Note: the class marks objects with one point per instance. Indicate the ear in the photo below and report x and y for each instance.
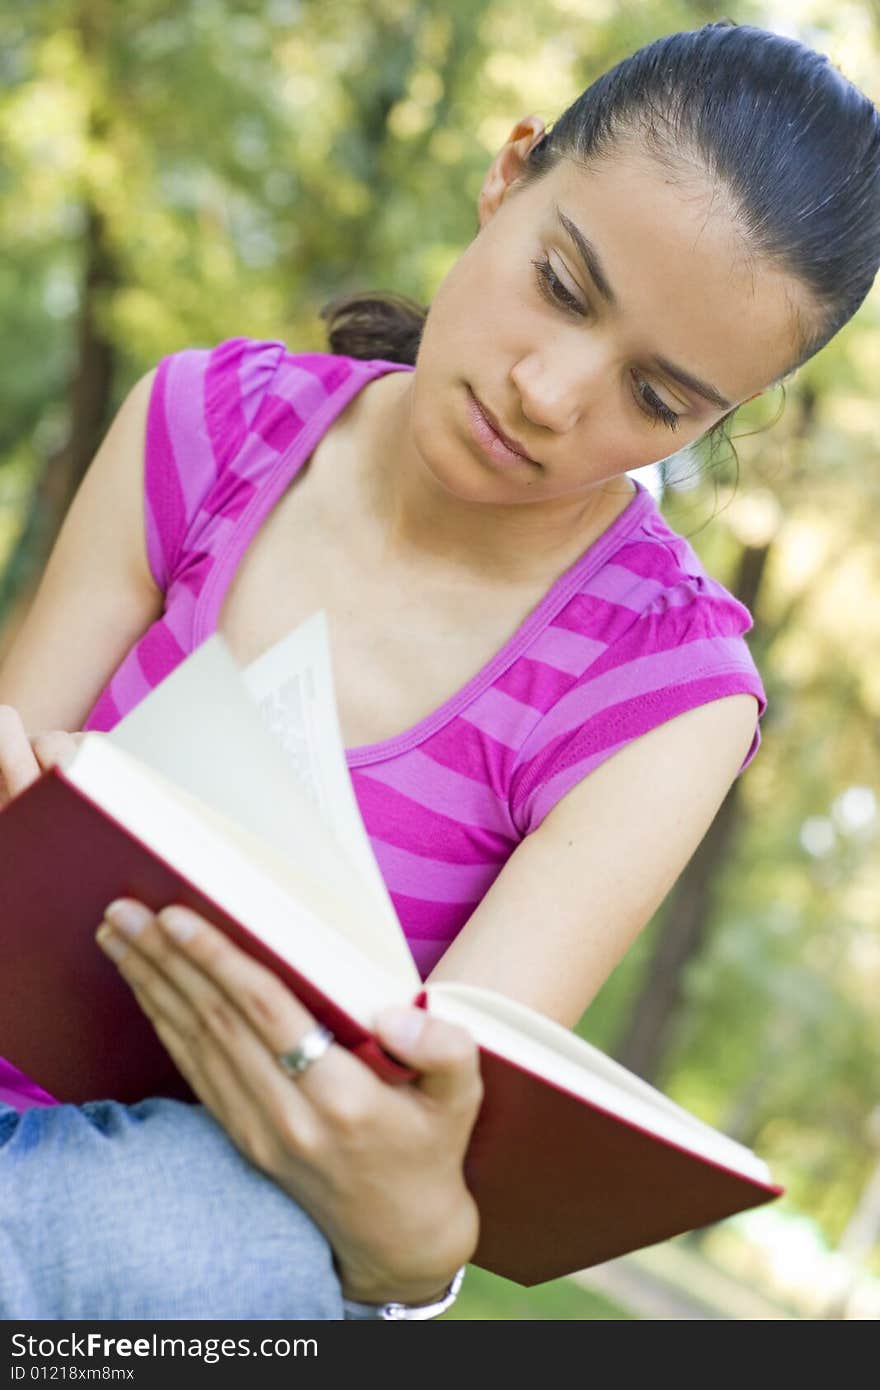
(507, 164)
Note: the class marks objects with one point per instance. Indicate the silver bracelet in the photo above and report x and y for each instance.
(399, 1311)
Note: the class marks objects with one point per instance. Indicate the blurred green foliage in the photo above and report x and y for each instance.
(486, 1297)
(238, 164)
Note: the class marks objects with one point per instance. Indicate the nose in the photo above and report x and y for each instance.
(554, 393)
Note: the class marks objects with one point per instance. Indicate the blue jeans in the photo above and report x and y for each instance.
(148, 1211)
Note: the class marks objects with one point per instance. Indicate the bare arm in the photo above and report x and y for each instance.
(575, 894)
(97, 594)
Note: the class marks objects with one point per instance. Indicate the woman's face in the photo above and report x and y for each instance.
(527, 326)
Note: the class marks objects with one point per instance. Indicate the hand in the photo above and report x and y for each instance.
(24, 758)
(377, 1167)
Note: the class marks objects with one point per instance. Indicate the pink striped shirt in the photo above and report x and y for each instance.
(632, 634)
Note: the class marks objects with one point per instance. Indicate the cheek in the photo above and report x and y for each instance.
(482, 301)
(613, 440)
(446, 329)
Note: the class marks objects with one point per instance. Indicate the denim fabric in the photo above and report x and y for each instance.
(148, 1211)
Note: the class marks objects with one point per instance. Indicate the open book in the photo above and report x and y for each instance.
(227, 790)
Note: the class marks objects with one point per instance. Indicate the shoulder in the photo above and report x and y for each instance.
(653, 576)
(647, 636)
(651, 597)
(240, 386)
(219, 420)
(228, 390)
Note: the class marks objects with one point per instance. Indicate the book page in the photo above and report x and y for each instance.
(292, 910)
(292, 686)
(201, 729)
(541, 1045)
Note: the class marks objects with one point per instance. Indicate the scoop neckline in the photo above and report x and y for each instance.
(209, 602)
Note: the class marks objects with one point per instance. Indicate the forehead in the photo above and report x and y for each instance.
(686, 283)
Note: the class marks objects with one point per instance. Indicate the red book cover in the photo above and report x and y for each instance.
(560, 1183)
(68, 1018)
(585, 1185)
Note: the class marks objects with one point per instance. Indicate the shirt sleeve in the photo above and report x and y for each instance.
(687, 649)
(203, 405)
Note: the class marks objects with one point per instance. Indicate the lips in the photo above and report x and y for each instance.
(511, 443)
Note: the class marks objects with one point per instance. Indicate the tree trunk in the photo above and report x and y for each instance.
(90, 397)
(90, 391)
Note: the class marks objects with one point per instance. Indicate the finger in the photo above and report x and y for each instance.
(215, 1049)
(206, 1085)
(54, 747)
(445, 1055)
(273, 1011)
(217, 1084)
(18, 763)
(209, 970)
(200, 1029)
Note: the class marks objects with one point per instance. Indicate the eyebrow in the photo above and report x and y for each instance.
(588, 255)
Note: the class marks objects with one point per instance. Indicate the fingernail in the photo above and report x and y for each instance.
(111, 943)
(128, 917)
(402, 1027)
(179, 925)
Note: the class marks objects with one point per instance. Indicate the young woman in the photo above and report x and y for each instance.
(544, 696)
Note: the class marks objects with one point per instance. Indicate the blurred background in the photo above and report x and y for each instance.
(173, 174)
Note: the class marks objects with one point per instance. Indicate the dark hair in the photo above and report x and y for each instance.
(793, 143)
(381, 324)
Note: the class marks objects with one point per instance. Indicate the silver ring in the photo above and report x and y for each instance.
(310, 1047)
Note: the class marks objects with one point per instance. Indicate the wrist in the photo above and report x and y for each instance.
(412, 1271)
(363, 1282)
(399, 1311)
(412, 1293)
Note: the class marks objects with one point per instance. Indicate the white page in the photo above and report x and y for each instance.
(540, 1044)
(249, 880)
(292, 685)
(201, 728)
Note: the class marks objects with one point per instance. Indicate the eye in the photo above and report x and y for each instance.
(657, 408)
(555, 292)
(552, 287)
